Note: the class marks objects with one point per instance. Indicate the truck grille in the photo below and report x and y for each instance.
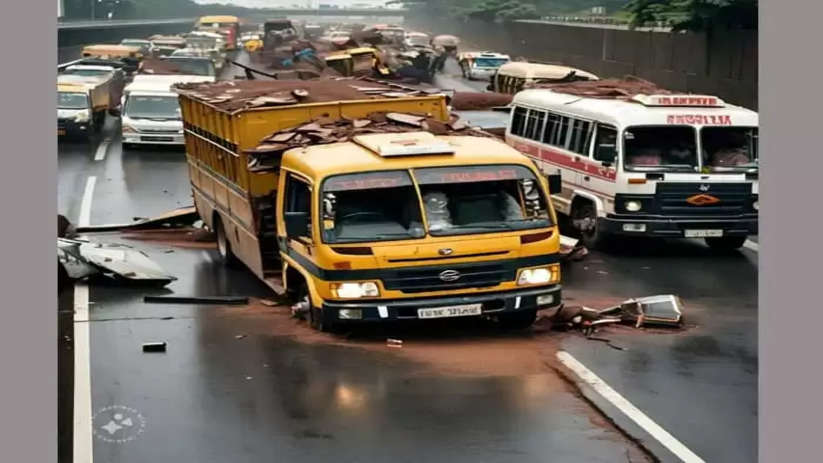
(734, 198)
(163, 131)
(428, 279)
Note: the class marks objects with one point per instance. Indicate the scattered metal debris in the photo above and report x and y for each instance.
(239, 336)
(159, 346)
(185, 216)
(81, 259)
(268, 303)
(653, 310)
(223, 300)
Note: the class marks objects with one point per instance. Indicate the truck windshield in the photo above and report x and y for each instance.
(489, 62)
(374, 206)
(729, 148)
(67, 100)
(481, 199)
(194, 66)
(152, 107)
(660, 148)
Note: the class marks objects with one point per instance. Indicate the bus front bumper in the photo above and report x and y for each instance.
(679, 227)
(545, 297)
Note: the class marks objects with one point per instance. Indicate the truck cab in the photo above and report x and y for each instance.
(74, 110)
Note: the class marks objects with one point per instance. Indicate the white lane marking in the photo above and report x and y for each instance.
(85, 204)
(752, 245)
(82, 448)
(102, 149)
(662, 436)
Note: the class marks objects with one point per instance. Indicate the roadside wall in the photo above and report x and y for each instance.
(722, 64)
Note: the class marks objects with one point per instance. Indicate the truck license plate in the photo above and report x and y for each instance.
(451, 311)
(703, 233)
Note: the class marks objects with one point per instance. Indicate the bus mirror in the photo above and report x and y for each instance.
(297, 224)
(605, 154)
(555, 184)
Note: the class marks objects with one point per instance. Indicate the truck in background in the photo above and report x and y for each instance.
(82, 103)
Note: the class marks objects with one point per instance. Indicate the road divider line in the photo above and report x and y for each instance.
(752, 245)
(82, 447)
(85, 203)
(634, 413)
(102, 149)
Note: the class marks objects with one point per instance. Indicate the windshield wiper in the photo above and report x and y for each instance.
(495, 226)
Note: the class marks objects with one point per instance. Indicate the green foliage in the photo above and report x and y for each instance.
(695, 14)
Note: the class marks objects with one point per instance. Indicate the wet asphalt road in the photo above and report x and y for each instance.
(457, 392)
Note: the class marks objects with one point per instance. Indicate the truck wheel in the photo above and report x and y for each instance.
(227, 256)
(726, 243)
(318, 319)
(518, 320)
(584, 219)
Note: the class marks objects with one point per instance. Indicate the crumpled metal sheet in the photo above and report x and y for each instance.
(82, 259)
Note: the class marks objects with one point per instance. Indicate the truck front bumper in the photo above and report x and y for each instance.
(407, 309)
(68, 127)
(676, 227)
(154, 139)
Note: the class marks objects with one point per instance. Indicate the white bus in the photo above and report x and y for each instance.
(660, 165)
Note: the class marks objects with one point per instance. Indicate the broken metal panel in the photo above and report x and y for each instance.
(651, 310)
(124, 262)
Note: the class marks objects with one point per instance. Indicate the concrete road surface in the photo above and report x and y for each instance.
(250, 383)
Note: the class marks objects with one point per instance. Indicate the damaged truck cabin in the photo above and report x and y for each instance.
(337, 196)
(639, 160)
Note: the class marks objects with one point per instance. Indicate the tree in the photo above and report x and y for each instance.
(695, 15)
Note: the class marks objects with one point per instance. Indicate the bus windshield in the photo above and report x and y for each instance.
(72, 100)
(481, 199)
(660, 148)
(153, 107)
(373, 206)
(729, 148)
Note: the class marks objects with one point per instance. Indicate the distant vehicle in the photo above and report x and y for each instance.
(151, 111)
(207, 40)
(251, 42)
(389, 32)
(130, 56)
(82, 103)
(417, 40)
(193, 65)
(447, 43)
(215, 56)
(277, 31)
(165, 45)
(516, 76)
(228, 26)
(146, 46)
(481, 65)
(312, 31)
(337, 38)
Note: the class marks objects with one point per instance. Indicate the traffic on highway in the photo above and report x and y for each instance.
(337, 240)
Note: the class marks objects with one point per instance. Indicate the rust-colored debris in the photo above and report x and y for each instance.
(469, 101)
(622, 89)
(266, 156)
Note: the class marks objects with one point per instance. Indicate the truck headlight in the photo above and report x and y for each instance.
(539, 275)
(82, 116)
(756, 206)
(355, 290)
(633, 206)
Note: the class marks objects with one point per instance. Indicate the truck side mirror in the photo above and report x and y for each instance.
(555, 183)
(297, 224)
(605, 154)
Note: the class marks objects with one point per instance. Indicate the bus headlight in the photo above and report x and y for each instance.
(539, 275)
(82, 116)
(355, 290)
(633, 206)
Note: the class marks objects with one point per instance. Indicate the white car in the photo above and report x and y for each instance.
(481, 65)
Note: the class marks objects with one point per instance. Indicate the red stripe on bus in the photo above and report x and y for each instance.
(566, 160)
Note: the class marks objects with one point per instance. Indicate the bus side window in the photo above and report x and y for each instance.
(534, 124)
(580, 136)
(605, 144)
(519, 121)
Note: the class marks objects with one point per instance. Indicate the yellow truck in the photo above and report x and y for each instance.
(380, 224)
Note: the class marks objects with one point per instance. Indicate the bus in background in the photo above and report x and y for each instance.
(227, 26)
(638, 160)
(517, 75)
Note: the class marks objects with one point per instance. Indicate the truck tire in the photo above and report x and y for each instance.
(726, 243)
(224, 250)
(593, 237)
(517, 320)
(317, 318)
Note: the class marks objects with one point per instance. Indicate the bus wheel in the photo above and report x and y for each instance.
(726, 243)
(227, 256)
(517, 320)
(584, 219)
